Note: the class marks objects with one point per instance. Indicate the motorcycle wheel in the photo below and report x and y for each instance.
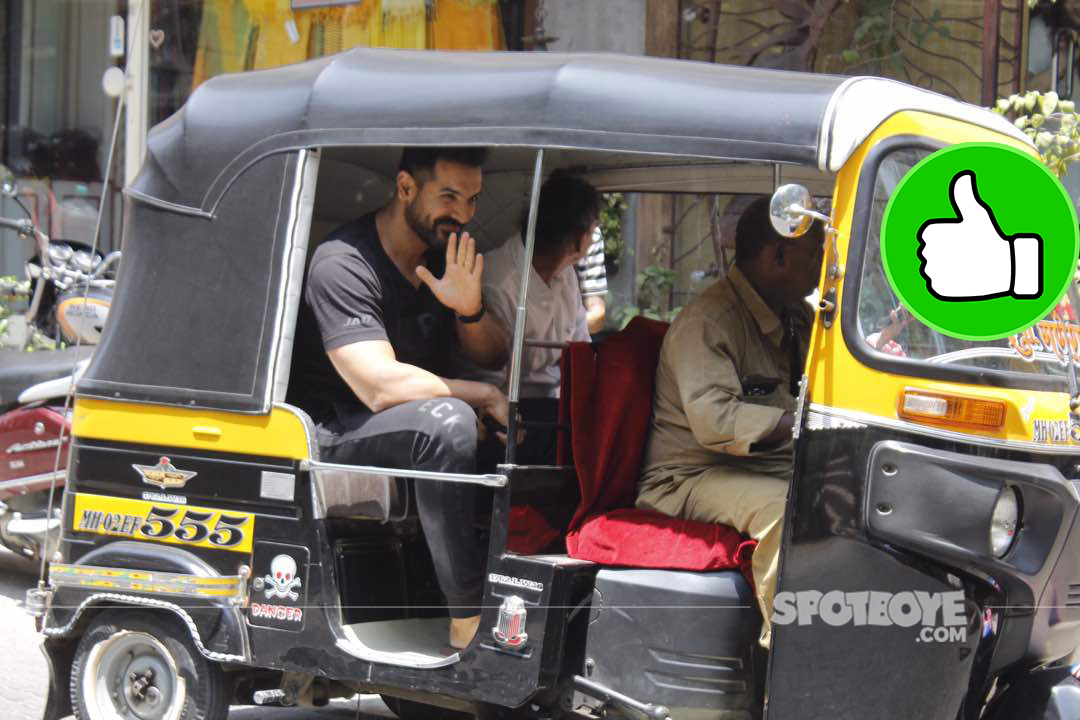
(142, 664)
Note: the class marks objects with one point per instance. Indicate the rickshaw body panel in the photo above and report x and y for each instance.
(838, 378)
(852, 528)
(280, 433)
(115, 551)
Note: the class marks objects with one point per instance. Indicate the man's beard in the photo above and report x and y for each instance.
(430, 233)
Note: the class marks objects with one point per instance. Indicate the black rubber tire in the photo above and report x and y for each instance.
(206, 697)
(412, 710)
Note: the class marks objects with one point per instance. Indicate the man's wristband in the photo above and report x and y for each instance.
(475, 317)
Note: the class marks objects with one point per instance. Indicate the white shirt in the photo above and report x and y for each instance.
(555, 314)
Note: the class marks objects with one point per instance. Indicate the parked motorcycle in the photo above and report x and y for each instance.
(68, 290)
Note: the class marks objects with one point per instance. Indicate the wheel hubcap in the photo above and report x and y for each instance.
(132, 676)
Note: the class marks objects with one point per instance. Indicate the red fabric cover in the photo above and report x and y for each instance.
(610, 393)
(529, 532)
(607, 398)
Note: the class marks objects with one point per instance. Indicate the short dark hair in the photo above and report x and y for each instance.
(568, 206)
(422, 159)
(754, 231)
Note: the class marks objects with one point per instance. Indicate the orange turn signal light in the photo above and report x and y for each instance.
(956, 410)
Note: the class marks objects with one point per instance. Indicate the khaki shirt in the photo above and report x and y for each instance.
(722, 384)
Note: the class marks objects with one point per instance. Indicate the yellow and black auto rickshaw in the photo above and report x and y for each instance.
(210, 557)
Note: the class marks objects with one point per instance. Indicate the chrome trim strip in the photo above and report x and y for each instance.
(31, 479)
(817, 421)
(145, 602)
(159, 583)
(841, 133)
(309, 428)
(942, 434)
(166, 205)
(800, 406)
(828, 119)
(301, 204)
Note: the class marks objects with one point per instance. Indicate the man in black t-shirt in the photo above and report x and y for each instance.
(386, 298)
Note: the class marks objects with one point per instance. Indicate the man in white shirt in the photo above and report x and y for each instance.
(566, 220)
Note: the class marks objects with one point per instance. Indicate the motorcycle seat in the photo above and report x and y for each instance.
(19, 370)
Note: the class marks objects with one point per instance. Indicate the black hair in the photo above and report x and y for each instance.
(568, 206)
(422, 159)
(754, 232)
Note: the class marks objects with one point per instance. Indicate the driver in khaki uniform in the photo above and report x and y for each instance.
(720, 444)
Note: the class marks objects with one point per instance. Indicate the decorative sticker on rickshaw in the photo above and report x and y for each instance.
(164, 522)
(165, 475)
(278, 590)
(1057, 336)
(1056, 432)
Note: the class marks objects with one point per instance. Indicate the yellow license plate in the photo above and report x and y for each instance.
(164, 522)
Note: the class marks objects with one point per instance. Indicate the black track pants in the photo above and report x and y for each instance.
(437, 435)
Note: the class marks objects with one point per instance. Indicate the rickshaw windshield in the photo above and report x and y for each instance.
(888, 332)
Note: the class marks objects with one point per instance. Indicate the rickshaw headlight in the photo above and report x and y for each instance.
(1004, 521)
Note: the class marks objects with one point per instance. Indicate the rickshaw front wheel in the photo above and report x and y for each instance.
(142, 665)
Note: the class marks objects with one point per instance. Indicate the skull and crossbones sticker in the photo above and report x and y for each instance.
(282, 580)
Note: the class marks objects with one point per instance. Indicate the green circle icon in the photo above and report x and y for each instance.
(980, 241)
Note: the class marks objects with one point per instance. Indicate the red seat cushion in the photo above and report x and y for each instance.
(607, 398)
(630, 537)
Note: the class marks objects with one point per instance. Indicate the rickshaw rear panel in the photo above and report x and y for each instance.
(686, 640)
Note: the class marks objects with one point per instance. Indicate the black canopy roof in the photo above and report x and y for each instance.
(397, 97)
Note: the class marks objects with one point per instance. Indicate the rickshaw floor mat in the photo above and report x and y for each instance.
(411, 642)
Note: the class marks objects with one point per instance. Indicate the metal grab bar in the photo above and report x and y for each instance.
(496, 481)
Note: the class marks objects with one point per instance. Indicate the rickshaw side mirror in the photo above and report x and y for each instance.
(8, 186)
(791, 213)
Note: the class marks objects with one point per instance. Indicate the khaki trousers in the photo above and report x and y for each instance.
(749, 502)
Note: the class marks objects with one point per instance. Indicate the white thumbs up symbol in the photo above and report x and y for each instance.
(969, 258)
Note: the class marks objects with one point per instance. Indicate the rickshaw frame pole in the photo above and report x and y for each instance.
(519, 319)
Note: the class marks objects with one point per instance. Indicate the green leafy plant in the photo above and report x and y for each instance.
(14, 296)
(1051, 123)
(879, 30)
(654, 286)
(612, 206)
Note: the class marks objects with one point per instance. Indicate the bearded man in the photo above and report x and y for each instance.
(385, 298)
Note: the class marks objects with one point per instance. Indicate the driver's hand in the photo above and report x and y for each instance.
(459, 287)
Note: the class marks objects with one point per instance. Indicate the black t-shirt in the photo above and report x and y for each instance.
(354, 293)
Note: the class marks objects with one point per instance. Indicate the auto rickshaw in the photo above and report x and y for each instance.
(209, 557)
